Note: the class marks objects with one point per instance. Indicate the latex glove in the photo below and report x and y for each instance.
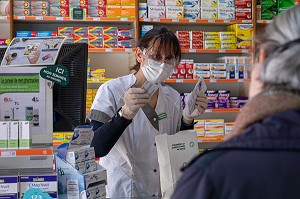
(200, 106)
(134, 99)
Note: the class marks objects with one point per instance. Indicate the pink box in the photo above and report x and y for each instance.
(238, 102)
(223, 99)
(181, 70)
(196, 44)
(243, 4)
(184, 44)
(212, 97)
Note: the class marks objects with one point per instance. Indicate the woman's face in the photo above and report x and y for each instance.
(256, 86)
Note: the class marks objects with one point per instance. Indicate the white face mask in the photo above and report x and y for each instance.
(157, 72)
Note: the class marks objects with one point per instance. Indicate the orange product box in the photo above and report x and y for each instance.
(113, 2)
(113, 11)
(128, 11)
(127, 2)
(196, 44)
(184, 44)
(183, 35)
(196, 35)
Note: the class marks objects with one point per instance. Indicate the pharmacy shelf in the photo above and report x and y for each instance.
(200, 21)
(207, 80)
(25, 152)
(88, 19)
(100, 81)
(223, 110)
(111, 50)
(226, 51)
(264, 21)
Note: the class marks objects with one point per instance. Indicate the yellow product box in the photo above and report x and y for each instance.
(227, 36)
(128, 11)
(127, 2)
(89, 90)
(214, 132)
(89, 98)
(113, 11)
(211, 36)
(244, 43)
(228, 127)
(68, 136)
(58, 136)
(212, 45)
(199, 127)
(214, 124)
(113, 2)
(228, 44)
(242, 30)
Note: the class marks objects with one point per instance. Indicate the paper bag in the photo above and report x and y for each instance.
(174, 152)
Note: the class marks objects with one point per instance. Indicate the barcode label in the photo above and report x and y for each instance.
(8, 153)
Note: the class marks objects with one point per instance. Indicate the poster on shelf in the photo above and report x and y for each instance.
(32, 51)
(25, 96)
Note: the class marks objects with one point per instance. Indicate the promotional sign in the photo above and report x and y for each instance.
(58, 74)
(32, 51)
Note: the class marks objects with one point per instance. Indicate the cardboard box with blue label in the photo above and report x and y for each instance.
(9, 187)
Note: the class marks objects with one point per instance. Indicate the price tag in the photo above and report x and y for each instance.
(39, 18)
(8, 153)
(245, 51)
(124, 19)
(174, 20)
(147, 19)
(213, 80)
(156, 20)
(226, 21)
(21, 17)
(108, 49)
(96, 19)
(192, 50)
(128, 49)
(179, 80)
(241, 80)
(222, 51)
(211, 21)
(59, 18)
(246, 21)
(3, 17)
(192, 20)
(208, 110)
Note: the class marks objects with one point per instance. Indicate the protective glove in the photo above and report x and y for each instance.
(134, 99)
(199, 108)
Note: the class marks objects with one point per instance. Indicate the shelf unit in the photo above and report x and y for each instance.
(198, 21)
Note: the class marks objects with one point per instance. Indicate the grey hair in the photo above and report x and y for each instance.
(282, 68)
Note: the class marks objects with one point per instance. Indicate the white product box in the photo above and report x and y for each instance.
(100, 191)
(156, 12)
(209, 13)
(214, 124)
(199, 127)
(214, 132)
(191, 3)
(25, 135)
(204, 74)
(89, 153)
(209, 3)
(192, 12)
(156, 2)
(90, 193)
(225, 4)
(174, 2)
(226, 13)
(217, 67)
(13, 135)
(90, 166)
(9, 187)
(3, 134)
(143, 10)
(218, 74)
(201, 66)
(174, 12)
(45, 182)
(80, 167)
(75, 155)
(83, 135)
(228, 127)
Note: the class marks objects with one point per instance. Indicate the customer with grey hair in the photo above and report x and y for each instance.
(261, 157)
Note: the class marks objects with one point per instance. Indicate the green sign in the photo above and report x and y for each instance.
(58, 74)
(19, 84)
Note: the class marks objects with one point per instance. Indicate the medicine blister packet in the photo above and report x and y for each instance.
(150, 88)
(191, 98)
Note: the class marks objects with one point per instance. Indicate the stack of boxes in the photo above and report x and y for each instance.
(212, 130)
(243, 9)
(244, 35)
(120, 8)
(22, 8)
(82, 4)
(59, 8)
(212, 40)
(90, 96)
(209, 9)
(268, 9)
(236, 67)
(97, 8)
(40, 8)
(191, 9)
(190, 39)
(22, 34)
(99, 37)
(15, 135)
(226, 10)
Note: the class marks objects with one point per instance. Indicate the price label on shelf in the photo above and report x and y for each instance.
(245, 51)
(39, 18)
(213, 80)
(21, 17)
(96, 19)
(246, 21)
(147, 19)
(211, 21)
(208, 110)
(174, 20)
(192, 50)
(226, 21)
(8, 153)
(128, 50)
(241, 80)
(192, 20)
(108, 49)
(3, 17)
(179, 80)
(59, 18)
(124, 19)
(155, 20)
(222, 51)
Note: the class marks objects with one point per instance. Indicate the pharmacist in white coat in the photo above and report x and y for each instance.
(126, 116)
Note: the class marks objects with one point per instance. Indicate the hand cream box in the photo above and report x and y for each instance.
(9, 187)
(13, 135)
(80, 167)
(3, 134)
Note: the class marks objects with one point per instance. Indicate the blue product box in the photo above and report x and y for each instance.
(46, 33)
(146, 28)
(9, 187)
(24, 34)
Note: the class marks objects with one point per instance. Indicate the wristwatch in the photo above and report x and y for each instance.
(120, 114)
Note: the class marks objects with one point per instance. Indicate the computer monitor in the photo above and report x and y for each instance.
(69, 102)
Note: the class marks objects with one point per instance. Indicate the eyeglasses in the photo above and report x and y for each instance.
(150, 54)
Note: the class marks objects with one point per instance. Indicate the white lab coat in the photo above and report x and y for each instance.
(132, 164)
